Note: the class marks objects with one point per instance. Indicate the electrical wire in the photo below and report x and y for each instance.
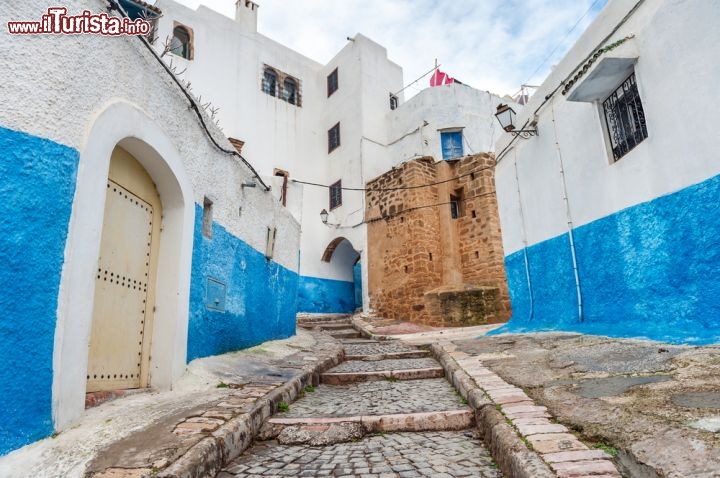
(562, 40)
(414, 208)
(114, 5)
(502, 153)
(418, 186)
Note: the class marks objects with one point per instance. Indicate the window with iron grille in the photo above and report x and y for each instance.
(625, 118)
(332, 82)
(269, 81)
(335, 195)
(333, 137)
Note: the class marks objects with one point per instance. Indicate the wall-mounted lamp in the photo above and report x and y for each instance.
(506, 117)
(324, 216)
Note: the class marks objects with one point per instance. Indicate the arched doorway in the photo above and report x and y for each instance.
(344, 263)
(119, 349)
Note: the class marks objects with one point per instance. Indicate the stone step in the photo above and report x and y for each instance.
(342, 378)
(346, 334)
(389, 356)
(336, 326)
(381, 397)
(321, 430)
(369, 370)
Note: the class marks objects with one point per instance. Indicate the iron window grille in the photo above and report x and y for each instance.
(290, 91)
(332, 82)
(333, 137)
(625, 118)
(269, 82)
(336, 195)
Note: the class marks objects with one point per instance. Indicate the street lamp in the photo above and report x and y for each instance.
(506, 117)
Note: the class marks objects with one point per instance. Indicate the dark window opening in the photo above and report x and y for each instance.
(207, 218)
(430, 256)
(333, 137)
(393, 102)
(332, 82)
(269, 82)
(283, 191)
(290, 91)
(180, 44)
(336, 195)
(625, 118)
(457, 204)
(473, 214)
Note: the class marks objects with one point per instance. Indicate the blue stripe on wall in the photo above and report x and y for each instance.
(325, 296)
(650, 271)
(36, 190)
(261, 296)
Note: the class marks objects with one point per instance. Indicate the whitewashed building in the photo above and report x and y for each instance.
(104, 148)
(337, 125)
(134, 240)
(610, 214)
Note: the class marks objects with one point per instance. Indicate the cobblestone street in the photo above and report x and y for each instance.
(433, 454)
(440, 449)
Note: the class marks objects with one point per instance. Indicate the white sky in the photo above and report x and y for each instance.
(493, 45)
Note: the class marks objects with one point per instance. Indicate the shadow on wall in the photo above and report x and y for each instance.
(325, 296)
(651, 271)
(260, 296)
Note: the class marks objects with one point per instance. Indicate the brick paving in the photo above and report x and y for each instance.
(428, 454)
(391, 364)
(377, 398)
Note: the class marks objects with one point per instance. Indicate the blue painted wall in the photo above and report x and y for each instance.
(649, 271)
(325, 296)
(37, 184)
(261, 296)
(357, 284)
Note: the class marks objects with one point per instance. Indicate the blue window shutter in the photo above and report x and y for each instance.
(451, 143)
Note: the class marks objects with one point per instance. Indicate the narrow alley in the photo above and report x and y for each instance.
(386, 411)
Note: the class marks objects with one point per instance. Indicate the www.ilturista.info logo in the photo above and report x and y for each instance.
(57, 21)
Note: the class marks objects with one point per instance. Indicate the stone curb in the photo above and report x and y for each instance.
(365, 330)
(513, 457)
(509, 420)
(207, 457)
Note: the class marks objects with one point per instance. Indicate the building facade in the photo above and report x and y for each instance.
(609, 215)
(137, 241)
(435, 252)
(301, 120)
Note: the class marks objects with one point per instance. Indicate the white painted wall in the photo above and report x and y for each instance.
(227, 67)
(89, 92)
(677, 71)
(443, 107)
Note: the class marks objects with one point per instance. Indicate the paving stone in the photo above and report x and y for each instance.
(447, 451)
(579, 468)
(376, 398)
(377, 348)
(575, 456)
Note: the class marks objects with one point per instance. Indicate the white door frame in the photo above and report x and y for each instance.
(122, 123)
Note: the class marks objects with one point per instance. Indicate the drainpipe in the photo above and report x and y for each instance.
(568, 217)
(525, 243)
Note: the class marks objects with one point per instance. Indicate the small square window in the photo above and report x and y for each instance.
(333, 137)
(332, 82)
(452, 144)
(625, 118)
(393, 102)
(336, 195)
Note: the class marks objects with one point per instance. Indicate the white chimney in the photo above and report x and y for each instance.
(246, 14)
